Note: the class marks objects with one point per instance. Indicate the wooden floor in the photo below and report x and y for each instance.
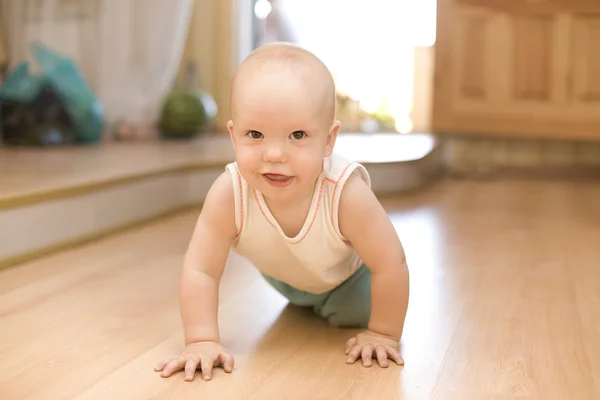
(505, 305)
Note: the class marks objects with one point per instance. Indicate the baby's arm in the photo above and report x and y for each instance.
(204, 263)
(364, 222)
(199, 284)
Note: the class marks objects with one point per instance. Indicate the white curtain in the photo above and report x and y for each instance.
(127, 50)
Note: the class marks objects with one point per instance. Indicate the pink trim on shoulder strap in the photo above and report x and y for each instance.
(241, 201)
(337, 192)
(238, 194)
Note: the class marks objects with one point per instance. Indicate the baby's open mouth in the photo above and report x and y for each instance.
(278, 179)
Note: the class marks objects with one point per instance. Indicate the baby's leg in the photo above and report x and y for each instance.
(295, 296)
(349, 305)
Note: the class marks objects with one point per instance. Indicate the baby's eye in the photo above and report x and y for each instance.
(254, 134)
(298, 134)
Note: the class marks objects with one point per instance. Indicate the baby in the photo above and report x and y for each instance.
(305, 217)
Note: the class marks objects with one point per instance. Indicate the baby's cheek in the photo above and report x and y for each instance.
(246, 158)
(311, 167)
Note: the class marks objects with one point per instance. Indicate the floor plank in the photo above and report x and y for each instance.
(504, 305)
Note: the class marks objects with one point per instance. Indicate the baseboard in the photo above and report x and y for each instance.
(81, 240)
(569, 173)
(36, 229)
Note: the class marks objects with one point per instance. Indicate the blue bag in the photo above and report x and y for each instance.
(61, 74)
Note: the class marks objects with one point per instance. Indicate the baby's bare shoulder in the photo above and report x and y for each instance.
(364, 222)
(355, 191)
(221, 192)
(218, 209)
(358, 204)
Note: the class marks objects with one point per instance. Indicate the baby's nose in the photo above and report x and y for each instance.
(274, 153)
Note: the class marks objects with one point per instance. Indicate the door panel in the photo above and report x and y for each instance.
(533, 63)
(517, 68)
(586, 59)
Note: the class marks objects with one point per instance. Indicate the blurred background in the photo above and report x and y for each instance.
(133, 53)
(477, 120)
(498, 75)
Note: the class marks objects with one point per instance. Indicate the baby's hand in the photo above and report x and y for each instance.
(367, 344)
(205, 355)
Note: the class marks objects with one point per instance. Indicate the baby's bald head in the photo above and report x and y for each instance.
(283, 62)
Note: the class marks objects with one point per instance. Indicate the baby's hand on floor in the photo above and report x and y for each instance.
(203, 355)
(368, 344)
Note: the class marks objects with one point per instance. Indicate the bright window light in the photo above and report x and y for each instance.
(262, 9)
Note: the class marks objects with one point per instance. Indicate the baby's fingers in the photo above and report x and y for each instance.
(227, 361)
(172, 366)
(382, 356)
(161, 365)
(207, 366)
(367, 354)
(190, 369)
(353, 354)
(395, 355)
(350, 344)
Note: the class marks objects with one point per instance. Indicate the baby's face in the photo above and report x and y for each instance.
(281, 131)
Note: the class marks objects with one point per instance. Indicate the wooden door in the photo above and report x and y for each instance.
(519, 68)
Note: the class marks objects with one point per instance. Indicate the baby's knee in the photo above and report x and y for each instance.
(347, 318)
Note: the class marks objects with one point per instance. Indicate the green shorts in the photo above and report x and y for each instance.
(347, 305)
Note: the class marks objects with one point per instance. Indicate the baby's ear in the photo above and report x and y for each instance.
(332, 137)
(230, 130)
